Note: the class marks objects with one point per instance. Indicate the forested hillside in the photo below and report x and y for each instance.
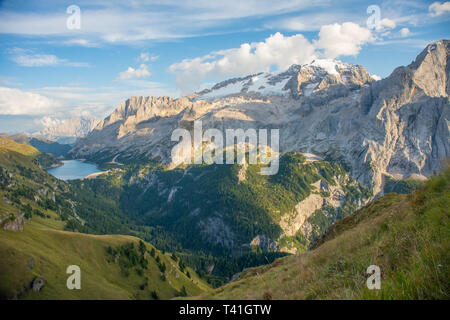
(406, 236)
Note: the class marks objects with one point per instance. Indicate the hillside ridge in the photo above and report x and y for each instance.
(406, 236)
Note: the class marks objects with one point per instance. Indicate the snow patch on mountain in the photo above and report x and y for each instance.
(278, 84)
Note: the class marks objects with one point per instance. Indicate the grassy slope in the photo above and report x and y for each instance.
(24, 149)
(53, 250)
(41, 144)
(407, 236)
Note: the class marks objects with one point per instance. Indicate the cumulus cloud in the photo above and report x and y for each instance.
(404, 32)
(64, 102)
(18, 102)
(342, 39)
(437, 9)
(277, 51)
(48, 121)
(386, 23)
(375, 77)
(140, 72)
(144, 56)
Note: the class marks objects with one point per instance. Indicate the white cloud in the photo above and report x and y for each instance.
(342, 39)
(37, 60)
(140, 72)
(145, 20)
(150, 20)
(67, 101)
(146, 57)
(277, 51)
(80, 42)
(18, 102)
(437, 9)
(47, 121)
(418, 44)
(27, 58)
(386, 23)
(311, 21)
(9, 81)
(404, 32)
(375, 77)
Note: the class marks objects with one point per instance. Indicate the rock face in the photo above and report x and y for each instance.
(31, 263)
(398, 125)
(215, 230)
(12, 223)
(38, 283)
(291, 223)
(265, 243)
(326, 196)
(68, 131)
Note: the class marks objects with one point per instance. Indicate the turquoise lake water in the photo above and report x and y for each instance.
(73, 169)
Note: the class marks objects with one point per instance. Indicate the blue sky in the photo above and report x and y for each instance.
(49, 71)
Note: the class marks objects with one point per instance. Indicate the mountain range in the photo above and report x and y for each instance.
(67, 131)
(397, 126)
(354, 137)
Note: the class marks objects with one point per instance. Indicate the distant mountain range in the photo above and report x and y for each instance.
(56, 139)
(67, 131)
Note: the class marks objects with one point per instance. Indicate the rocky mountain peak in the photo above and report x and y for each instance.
(325, 73)
(427, 75)
(431, 69)
(435, 53)
(296, 81)
(137, 109)
(67, 131)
